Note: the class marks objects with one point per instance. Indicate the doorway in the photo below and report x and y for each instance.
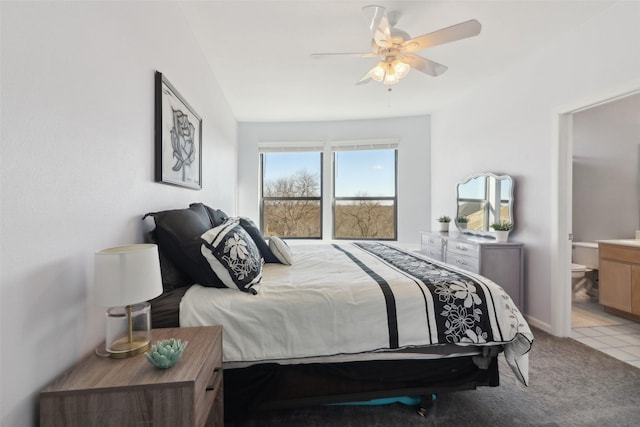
(563, 117)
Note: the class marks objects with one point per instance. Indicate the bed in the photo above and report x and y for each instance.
(320, 323)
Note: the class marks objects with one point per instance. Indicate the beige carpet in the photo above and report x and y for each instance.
(582, 318)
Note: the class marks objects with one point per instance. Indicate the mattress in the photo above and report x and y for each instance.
(360, 300)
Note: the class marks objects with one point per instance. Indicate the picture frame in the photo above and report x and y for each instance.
(178, 138)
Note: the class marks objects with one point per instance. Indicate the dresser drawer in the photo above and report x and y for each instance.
(432, 246)
(434, 253)
(463, 248)
(428, 240)
(463, 261)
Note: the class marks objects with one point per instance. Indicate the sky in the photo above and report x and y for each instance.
(362, 172)
(475, 189)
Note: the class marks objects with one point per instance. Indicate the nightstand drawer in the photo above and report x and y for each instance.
(208, 386)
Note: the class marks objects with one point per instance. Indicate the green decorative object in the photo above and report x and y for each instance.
(166, 353)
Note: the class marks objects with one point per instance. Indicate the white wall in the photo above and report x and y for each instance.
(606, 147)
(77, 104)
(413, 134)
(506, 126)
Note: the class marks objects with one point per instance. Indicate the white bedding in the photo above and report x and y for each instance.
(343, 299)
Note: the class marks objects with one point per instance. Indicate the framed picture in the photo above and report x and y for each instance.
(178, 154)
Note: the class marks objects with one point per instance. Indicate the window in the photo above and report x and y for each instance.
(360, 182)
(291, 194)
(365, 202)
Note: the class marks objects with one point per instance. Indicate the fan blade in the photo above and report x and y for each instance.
(378, 24)
(359, 55)
(459, 31)
(366, 78)
(427, 66)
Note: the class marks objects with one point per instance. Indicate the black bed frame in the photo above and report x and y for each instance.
(270, 386)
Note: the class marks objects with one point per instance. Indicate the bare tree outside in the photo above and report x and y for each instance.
(364, 219)
(292, 205)
(292, 201)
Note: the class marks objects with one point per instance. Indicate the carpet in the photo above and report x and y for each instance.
(570, 385)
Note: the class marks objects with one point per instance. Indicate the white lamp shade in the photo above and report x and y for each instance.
(127, 275)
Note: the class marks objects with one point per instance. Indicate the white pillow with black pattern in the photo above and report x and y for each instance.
(281, 250)
(233, 255)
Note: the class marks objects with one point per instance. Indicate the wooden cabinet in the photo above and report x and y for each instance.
(131, 392)
(500, 262)
(619, 276)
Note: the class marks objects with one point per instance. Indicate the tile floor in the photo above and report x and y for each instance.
(616, 336)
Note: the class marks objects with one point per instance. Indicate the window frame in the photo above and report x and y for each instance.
(334, 151)
(326, 149)
(319, 198)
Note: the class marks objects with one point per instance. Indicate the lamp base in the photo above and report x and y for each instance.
(122, 348)
(128, 330)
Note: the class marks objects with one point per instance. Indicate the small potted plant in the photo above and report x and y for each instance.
(462, 222)
(502, 230)
(444, 223)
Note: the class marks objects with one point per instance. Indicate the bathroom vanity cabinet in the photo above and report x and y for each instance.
(501, 262)
(620, 277)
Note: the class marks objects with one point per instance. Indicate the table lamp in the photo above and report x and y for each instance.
(125, 278)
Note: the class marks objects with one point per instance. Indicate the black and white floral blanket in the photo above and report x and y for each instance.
(362, 297)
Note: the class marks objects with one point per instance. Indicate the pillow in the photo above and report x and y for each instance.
(281, 250)
(172, 276)
(216, 216)
(178, 234)
(233, 256)
(255, 233)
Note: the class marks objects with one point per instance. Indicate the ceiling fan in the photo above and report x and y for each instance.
(395, 48)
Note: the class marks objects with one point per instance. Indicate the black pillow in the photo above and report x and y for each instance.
(216, 216)
(178, 233)
(172, 276)
(251, 228)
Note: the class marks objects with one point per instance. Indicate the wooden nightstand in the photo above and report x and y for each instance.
(130, 392)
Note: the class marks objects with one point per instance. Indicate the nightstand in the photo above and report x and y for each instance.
(131, 392)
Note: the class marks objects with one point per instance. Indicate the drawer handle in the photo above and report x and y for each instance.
(213, 386)
(462, 248)
(461, 262)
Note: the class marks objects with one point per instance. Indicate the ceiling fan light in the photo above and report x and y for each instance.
(391, 77)
(401, 69)
(378, 72)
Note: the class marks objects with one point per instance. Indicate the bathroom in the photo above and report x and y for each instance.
(605, 206)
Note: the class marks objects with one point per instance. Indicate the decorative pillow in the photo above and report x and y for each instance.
(233, 256)
(281, 250)
(178, 234)
(255, 233)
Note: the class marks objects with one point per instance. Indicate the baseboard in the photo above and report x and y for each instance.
(536, 323)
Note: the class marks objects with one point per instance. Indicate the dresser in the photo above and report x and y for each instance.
(501, 262)
(131, 392)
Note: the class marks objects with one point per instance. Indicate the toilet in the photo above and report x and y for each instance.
(584, 268)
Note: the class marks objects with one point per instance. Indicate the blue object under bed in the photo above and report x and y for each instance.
(405, 400)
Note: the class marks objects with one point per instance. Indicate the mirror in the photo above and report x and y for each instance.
(483, 199)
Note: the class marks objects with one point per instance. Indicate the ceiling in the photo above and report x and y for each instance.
(259, 52)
